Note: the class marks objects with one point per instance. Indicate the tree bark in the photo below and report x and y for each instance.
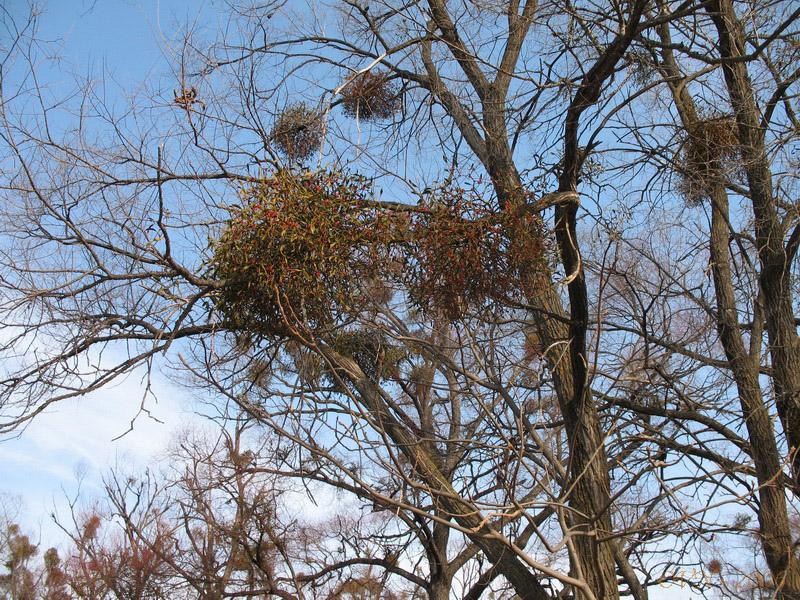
(774, 279)
(774, 529)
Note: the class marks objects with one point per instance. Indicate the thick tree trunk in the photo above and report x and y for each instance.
(589, 498)
(439, 589)
(774, 279)
(590, 495)
(774, 529)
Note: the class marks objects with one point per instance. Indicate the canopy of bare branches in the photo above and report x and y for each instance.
(513, 281)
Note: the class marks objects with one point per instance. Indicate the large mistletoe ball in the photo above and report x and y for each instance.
(296, 254)
(464, 256)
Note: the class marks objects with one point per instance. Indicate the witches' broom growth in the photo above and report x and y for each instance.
(297, 251)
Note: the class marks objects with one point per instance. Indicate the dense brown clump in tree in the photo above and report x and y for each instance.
(371, 96)
(710, 156)
(306, 247)
(297, 132)
(463, 254)
(296, 253)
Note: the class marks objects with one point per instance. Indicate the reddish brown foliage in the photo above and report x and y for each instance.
(465, 255)
(125, 568)
(308, 248)
(298, 251)
(370, 96)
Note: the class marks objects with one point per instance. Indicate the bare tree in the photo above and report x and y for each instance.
(537, 333)
(211, 521)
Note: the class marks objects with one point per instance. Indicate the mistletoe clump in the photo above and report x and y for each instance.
(464, 255)
(372, 351)
(297, 132)
(711, 153)
(370, 96)
(296, 252)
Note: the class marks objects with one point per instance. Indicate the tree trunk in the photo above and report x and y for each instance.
(774, 279)
(774, 530)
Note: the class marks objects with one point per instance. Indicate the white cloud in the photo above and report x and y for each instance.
(40, 464)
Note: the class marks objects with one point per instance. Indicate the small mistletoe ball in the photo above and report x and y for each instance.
(710, 156)
(370, 96)
(297, 132)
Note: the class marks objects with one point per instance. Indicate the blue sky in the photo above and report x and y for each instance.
(122, 38)
(122, 33)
